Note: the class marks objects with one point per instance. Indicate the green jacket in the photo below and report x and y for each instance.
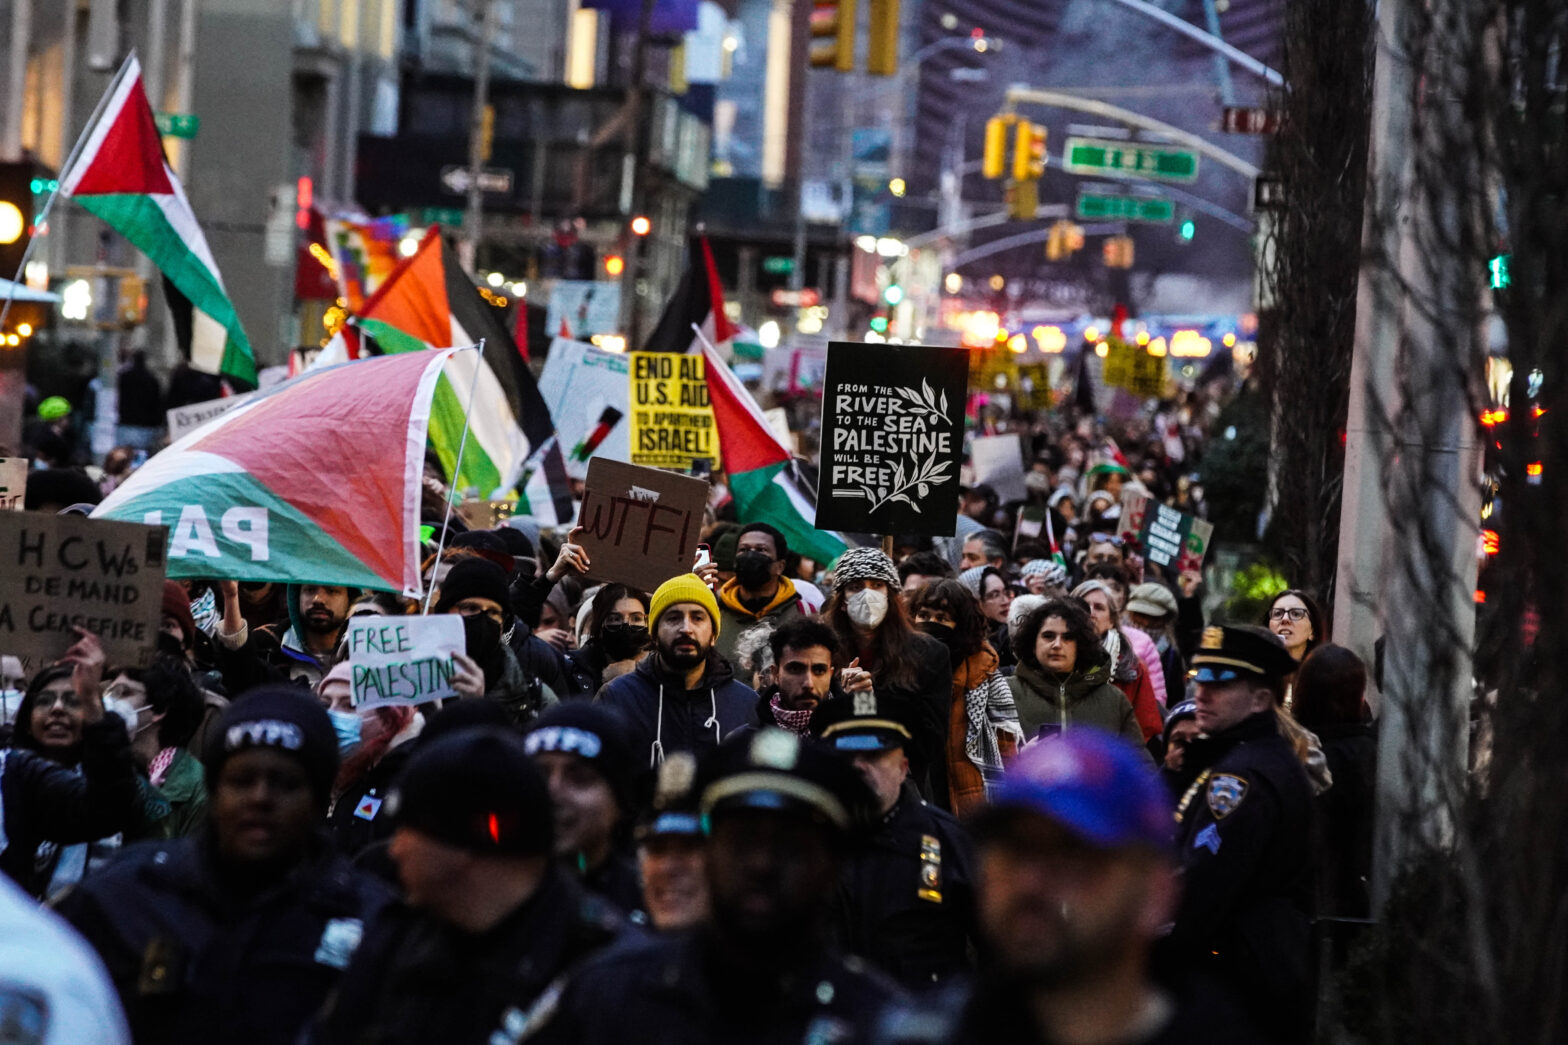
(1055, 703)
(185, 788)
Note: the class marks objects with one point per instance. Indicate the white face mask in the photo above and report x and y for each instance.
(129, 714)
(867, 607)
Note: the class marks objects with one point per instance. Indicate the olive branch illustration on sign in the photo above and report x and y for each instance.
(921, 475)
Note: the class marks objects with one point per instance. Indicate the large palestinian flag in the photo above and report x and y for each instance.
(761, 470)
(315, 480)
(119, 174)
(698, 301)
(430, 302)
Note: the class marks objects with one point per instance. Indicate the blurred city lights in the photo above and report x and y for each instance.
(897, 187)
(76, 299)
(953, 283)
(768, 334)
(1051, 340)
(1091, 333)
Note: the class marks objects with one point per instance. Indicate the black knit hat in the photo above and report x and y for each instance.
(594, 733)
(285, 719)
(474, 579)
(478, 790)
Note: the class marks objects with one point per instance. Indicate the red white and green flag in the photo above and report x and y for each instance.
(316, 480)
(761, 470)
(120, 175)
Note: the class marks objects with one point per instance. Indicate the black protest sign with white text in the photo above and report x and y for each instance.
(892, 438)
(60, 571)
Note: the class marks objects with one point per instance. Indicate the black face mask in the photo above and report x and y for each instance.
(622, 641)
(483, 635)
(753, 570)
(946, 634)
(169, 645)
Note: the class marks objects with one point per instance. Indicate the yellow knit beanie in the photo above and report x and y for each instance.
(687, 587)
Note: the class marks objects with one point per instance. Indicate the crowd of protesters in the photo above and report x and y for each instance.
(994, 787)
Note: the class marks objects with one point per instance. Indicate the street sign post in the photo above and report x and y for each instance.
(1094, 206)
(778, 266)
(497, 180)
(1108, 157)
(177, 124)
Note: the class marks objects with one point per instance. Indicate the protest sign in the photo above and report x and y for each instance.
(62, 570)
(581, 308)
(639, 525)
(13, 483)
(892, 438)
(999, 463)
(1133, 368)
(403, 660)
(672, 422)
(586, 390)
(186, 419)
(1168, 537)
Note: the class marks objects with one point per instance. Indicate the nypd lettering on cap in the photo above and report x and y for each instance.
(264, 732)
(566, 739)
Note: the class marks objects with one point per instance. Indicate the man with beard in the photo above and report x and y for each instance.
(804, 652)
(684, 697)
(1076, 883)
(759, 592)
(780, 815)
(580, 748)
(476, 589)
(299, 649)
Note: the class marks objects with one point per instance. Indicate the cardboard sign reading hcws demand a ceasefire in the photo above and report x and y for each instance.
(892, 438)
(403, 660)
(57, 571)
(639, 525)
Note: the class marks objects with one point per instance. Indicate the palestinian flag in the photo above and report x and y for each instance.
(430, 302)
(547, 492)
(120, 175)
(316, 480)
(762, 474)
(698, 300)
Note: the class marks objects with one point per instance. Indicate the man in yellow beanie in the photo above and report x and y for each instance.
(684, 697)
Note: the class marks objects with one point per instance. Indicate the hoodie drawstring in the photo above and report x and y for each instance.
(713, 714)
(656, 752)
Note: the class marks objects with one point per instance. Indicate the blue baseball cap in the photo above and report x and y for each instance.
(1094, 784)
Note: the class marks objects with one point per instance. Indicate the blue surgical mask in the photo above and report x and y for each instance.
(346, 725)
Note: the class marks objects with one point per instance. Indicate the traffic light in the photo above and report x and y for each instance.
(1186, 231)
(833, 21)
(882, 47)
(614, 265)
(641, 226)
(1065, 238)
(993, 160)
(1118, 252)
(1028, 151)
(1023, 200)
(16, 214)
(893, 294)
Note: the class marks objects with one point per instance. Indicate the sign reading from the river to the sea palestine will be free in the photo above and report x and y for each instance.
(892, 438)
(672, 423)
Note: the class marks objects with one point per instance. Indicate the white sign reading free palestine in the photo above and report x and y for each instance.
(403, 660)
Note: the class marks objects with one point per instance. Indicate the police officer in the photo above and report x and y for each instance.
(669, 849)
(236, 935)
(490, 920)
(779, 815)
(1244, 825)
(906, 900)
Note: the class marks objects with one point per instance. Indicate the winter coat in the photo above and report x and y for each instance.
(735, 619)
(923, 708)
(43, 801)
(1132, 678)
(1149, 657)
(1049, 703)
(981, 701)
(1344, 840)
(195, 962)
(663, 716)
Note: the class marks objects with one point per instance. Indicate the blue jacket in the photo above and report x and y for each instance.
(659, 709)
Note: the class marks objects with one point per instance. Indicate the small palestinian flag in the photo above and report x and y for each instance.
(698, 299)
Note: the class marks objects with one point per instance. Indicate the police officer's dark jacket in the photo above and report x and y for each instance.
(195, 961)
(418, 979)
(676, 990)
(907, 900)
(1244, 840)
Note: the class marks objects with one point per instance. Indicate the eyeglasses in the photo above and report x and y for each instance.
(1281, 612)
(67, 699)
(1000, 595)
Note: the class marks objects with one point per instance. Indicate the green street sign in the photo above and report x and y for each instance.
(779, 266)
(177, 124)
(1094, 206)
(1157, 162)
(451, 217)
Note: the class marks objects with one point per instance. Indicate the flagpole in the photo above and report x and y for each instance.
(76, 150)
(457, 466)
(695, 329)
